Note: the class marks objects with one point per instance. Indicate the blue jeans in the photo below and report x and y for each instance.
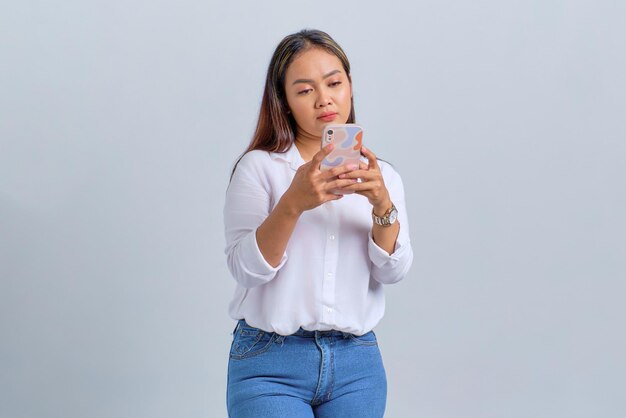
(306, 374)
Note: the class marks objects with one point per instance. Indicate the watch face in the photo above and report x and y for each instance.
(393, 216)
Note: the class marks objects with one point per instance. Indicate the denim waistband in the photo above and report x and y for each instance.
(309, 334)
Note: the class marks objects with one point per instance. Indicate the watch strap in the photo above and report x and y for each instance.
(385, 219)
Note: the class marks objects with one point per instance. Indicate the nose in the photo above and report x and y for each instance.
(323, 100)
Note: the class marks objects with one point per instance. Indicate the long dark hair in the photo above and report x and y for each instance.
(276, 128)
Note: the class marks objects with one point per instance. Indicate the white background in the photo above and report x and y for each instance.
(119, 124)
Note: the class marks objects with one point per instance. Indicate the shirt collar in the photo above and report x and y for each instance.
(291, 156)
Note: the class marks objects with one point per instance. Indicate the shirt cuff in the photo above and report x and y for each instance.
(379, 256)
(257, 264)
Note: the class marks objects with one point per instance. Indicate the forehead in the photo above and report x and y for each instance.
(313, 64)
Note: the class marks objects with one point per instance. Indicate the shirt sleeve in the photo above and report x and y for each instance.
(247, 206)
(391, 268)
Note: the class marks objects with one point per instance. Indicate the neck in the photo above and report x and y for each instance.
(307, 145)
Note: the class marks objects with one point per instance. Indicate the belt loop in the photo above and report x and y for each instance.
(236, 327)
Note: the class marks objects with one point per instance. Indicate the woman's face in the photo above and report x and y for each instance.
(318, 91)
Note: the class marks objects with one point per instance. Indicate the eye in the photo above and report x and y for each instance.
(305, 91)
(335, 83)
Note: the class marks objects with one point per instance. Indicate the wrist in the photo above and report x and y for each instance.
(388, 218)
(288, 207)
(381, 208)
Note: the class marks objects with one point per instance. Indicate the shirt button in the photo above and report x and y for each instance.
(329, 310)
(330, 274)
(332, 237)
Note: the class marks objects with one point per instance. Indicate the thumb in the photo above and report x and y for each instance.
(321, 154)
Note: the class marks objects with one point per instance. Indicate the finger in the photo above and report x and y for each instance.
(358, 174)
(340, 184)
(337, 171)
(321, 154)
(336, 196)
(362, 187)
(373, 163)
(332, 196)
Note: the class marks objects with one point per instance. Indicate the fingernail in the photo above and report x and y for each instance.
(352, 167)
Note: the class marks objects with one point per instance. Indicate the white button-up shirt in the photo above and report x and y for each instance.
(332, 273)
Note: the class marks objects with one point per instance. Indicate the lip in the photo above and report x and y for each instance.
(328, 116)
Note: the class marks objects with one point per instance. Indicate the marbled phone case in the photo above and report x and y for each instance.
(348, 139)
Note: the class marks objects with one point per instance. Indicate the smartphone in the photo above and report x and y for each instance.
(348, 139)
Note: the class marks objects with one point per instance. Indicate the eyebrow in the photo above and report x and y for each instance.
(308, 80)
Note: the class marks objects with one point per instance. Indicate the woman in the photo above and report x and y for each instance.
(310, 264)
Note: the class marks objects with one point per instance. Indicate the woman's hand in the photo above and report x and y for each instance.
(311, 187)
(371, 185)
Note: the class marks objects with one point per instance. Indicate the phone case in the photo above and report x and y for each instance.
(348, 139)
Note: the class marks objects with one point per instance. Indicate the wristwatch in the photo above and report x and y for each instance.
(388, 218)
